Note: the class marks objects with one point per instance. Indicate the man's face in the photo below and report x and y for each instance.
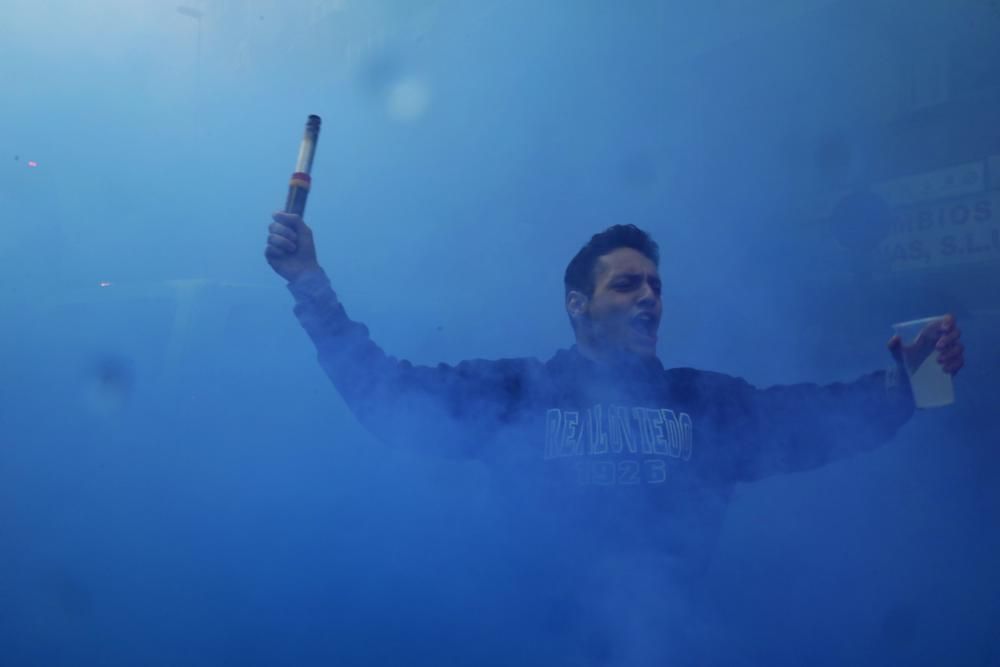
(623, 314)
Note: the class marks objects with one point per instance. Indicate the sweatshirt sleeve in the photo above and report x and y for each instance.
(449, 410)
(791, 428)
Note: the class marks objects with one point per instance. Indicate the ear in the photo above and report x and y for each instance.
(576, 304)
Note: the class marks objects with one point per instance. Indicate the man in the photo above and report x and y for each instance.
(601, 443)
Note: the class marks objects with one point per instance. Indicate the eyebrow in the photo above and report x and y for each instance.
(636, 276)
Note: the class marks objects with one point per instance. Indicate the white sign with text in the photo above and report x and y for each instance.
(959, 231)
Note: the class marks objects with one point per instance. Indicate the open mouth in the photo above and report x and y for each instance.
(645, 324)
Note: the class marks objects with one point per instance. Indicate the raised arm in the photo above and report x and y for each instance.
(803, 426)
(790, 428)
(798, 427)
(447, 409)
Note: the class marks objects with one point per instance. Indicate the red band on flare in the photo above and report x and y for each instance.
(301, 180)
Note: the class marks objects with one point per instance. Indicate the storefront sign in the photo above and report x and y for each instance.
(955, 181)
(960, 231)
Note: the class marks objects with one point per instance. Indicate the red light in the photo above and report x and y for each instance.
(32, 163)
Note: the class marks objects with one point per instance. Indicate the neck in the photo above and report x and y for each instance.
(590, 351)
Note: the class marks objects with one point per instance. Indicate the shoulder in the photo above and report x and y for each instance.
(508, 375)
(707, 389)
(698, 378)
(498, 367)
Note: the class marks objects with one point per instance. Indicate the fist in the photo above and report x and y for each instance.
(290, 250)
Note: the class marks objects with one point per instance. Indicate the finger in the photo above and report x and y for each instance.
(947, 322)
(953, 368)
(895, 346)
(290, 219)
(281, 243)
(949, 338)
(949, 354)
(949, 363)
(283, 230)
(274, 253)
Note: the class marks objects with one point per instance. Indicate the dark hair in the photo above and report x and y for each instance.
(580, 272)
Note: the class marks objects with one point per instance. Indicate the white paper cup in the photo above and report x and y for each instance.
(931, 385)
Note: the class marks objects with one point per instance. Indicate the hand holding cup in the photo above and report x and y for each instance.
(930, 352)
